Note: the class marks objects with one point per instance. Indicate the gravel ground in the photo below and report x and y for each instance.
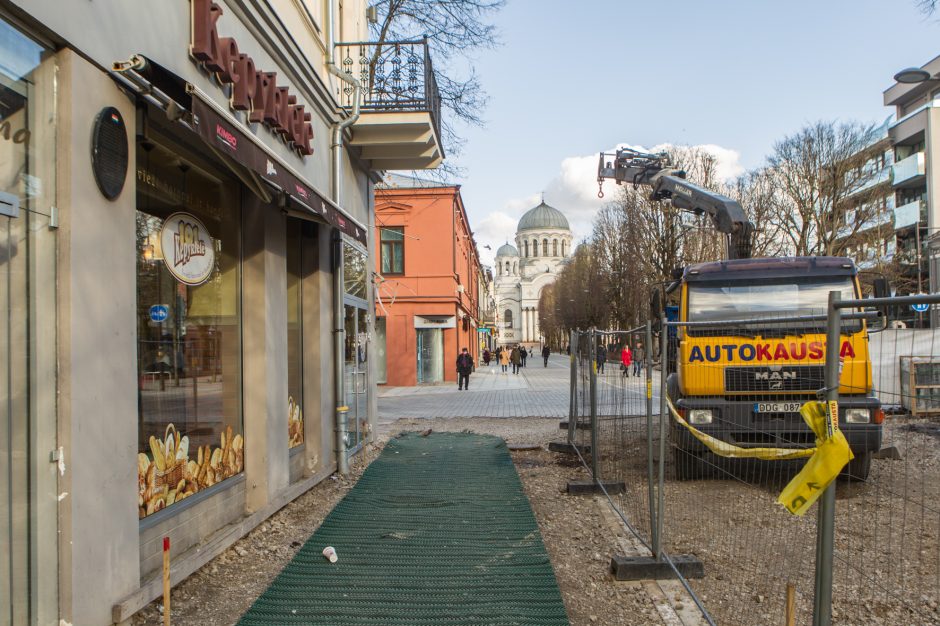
(578, 536)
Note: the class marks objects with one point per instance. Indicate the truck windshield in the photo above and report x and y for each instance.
(733, 300)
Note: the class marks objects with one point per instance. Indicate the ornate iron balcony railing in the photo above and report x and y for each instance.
(395, 76)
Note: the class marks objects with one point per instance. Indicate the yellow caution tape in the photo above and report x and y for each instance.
(649, 388)
(728, 450)
(827, 459)
(831, 455)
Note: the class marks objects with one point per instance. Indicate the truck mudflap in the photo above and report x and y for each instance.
(746, 424)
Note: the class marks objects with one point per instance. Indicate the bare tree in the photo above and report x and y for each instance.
(927, 7)
(820, 172)
(453, 28)
(758, 193)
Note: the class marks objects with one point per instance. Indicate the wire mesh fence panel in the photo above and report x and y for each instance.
(886, 565)
(735, 439)
(615, 365)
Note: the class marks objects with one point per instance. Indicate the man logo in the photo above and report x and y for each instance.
(774, 378)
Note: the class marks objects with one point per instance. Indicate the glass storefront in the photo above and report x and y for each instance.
(28, 508)
(356, 353)
(295, 341)
(430, 347)
(188, 326)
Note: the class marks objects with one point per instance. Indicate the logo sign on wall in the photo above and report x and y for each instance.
(188, 250)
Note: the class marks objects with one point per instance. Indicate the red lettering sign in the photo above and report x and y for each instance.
(253, 90)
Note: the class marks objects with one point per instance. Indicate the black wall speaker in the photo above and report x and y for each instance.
(109, 152)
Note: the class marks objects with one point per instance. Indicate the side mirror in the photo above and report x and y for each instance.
(881, 288)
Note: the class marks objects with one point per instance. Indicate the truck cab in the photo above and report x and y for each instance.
(745, 384)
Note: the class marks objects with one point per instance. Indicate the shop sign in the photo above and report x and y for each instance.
(253, 90)
(188, 250)
(435, 321)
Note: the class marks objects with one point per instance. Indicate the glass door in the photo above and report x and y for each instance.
(28, 505)
(430, 347)
(356, 367)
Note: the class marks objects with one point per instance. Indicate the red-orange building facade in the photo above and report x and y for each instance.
(429, 270)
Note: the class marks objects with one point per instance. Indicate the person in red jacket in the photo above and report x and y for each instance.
(626, 358)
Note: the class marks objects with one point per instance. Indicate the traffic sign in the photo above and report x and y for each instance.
(920, 308)
(159, 312)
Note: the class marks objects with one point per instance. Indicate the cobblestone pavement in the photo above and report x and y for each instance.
(536, 391)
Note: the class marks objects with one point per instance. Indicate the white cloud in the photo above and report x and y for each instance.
(573, 191)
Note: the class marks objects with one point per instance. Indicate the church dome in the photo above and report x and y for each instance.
(543, 217)
(507, 249)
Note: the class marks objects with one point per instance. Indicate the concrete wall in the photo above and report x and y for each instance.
(98, 359)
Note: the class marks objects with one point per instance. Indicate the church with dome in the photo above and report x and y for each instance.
(543, 243)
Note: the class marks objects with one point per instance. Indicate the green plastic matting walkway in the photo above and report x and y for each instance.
(436, 532)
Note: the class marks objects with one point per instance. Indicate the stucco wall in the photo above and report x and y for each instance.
(98, 359)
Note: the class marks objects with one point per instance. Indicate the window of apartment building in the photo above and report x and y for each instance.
(393, 249)
(188, 326)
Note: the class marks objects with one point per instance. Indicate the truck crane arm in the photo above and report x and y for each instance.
(667, 182)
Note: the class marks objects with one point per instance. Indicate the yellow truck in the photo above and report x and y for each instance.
(744, 384)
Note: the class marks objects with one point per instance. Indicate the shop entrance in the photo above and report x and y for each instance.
(28, 506)
(430, 346)
(355, 371)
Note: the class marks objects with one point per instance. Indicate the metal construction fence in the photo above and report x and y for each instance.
(708, 463)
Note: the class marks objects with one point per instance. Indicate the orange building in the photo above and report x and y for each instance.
(427, 306)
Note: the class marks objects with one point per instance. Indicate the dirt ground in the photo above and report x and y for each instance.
(578, 537)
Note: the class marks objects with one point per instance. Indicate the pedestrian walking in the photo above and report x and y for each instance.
(639, 359)
(503, 359)
(545, 353)
(626, 358)
(464, 367)
(516, 359)
(523, 354)
(601, 358)
(486, 357)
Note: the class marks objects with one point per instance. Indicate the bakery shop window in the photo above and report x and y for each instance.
(188, 327)
(299, 233)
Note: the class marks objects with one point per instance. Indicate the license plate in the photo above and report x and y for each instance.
(777, 407)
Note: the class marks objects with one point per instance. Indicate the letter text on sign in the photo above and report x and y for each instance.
(253, 90)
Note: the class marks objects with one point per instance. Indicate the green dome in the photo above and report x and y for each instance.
(543, 217)
(507, 249)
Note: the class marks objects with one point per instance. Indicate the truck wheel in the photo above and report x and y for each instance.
(688, 464)
(858, 468)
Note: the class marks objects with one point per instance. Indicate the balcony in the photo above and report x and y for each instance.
(910, 172)
(910, 214)
(399, 127)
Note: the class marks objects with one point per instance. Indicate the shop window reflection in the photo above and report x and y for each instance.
(189, 349)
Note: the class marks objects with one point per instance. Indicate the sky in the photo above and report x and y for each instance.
(573, 78)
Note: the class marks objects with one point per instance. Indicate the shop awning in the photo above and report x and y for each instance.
(221, 131)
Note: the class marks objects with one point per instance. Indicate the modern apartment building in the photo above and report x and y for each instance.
(915, 137)
(186, 201)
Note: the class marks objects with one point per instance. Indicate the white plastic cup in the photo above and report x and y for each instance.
(330, 553)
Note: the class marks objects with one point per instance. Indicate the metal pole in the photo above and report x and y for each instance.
(825, 524)
(573, 404)
(663, 419)
(648, 354)
(593, 366)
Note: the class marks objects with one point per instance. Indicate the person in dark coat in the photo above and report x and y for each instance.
(601, 358)
(486, 357)
(516, 359)
(545, 353)
(464, 367)
(523, 354)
